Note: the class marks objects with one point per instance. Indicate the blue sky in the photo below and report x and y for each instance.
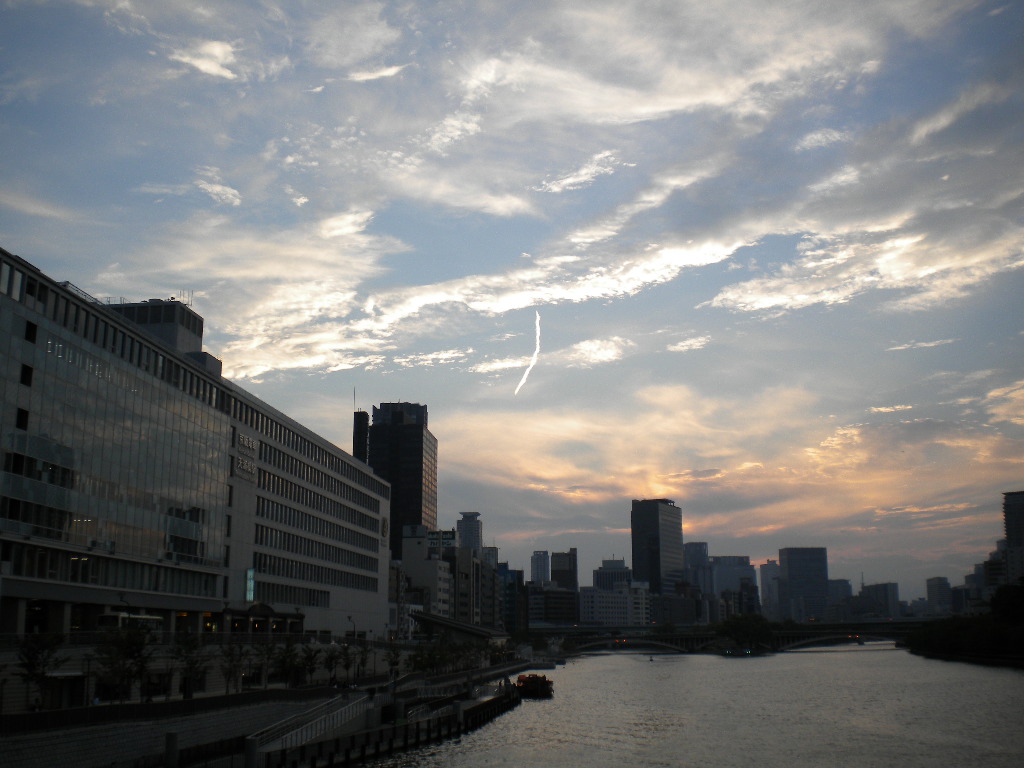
(774, 250)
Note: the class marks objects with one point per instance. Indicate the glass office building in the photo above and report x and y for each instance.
(135, 479)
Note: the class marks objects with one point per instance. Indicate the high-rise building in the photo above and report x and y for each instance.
(403, 451)
(803, 583)
(729, 571)
(657, 538)
(540, 566)
(881, 600)
(611, 574)
(471, 531)
(1013, 522)
(565, 570)
(769, 574)
(939, 595)
(136, 480)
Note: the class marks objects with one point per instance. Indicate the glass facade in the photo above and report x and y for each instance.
(133, 471)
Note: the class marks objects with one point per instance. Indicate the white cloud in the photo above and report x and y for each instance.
(211, 57)
(220, 193)
(688, 345)
(377, 74)
(821, 138)
(921, 345)
(591, 352)
(601, 164)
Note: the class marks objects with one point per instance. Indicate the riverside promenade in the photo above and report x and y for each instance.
(142, 742)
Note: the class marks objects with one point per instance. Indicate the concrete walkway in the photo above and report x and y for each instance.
(121, 744)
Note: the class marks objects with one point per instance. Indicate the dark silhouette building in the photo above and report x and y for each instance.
(402, 450)
(803, 583)
(657, 535)
(565, 570)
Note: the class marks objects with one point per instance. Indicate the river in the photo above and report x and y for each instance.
(857, 706)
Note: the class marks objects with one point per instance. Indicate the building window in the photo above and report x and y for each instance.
(30, 331)
(26, 375)
(21, 421)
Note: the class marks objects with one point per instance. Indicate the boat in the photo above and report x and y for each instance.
(535, 686)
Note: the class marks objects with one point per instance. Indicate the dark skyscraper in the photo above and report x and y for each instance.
(1013, 518)
(803, 583)
(657, 532)
(404, 452)
(565, 569)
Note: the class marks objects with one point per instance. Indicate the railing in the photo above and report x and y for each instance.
(326, 718)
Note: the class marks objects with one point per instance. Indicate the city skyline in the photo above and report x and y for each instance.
(763, 262)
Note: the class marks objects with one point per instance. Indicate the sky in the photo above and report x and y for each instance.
(762, 259)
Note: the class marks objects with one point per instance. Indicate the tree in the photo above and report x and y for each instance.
(393, 658)
(310, 661)
(124, 655)
(38, 657)
(286, 662)
(330, 660)
(191, 659)
(264, 653)
(231, 662)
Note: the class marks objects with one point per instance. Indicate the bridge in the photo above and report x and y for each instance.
(705, 639)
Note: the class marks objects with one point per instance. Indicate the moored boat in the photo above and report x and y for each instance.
(535, 686)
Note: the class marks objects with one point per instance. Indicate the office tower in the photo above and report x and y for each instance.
(540, 567)
(564, 570)
(839, 591)
(803, 583)
(404, 452)
(1013, 523)
(471, 531)
(881, 600)
(657, 537)
(940, 596)
(769, 574)
(136, 480)
(611, 574)
(1013, 518)
(729, 571)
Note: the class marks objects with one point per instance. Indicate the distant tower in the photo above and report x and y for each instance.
(803, 583)
(1013, 522)
(471, 530)
(940, 596)
(657, 534)
(540, 567)
(565, 569)
(769, 574)
(611, 574)
(404, 452)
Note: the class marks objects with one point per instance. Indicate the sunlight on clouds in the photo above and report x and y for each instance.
(688, 345)
(1007, 403)
(601, 164)
(597, 351)
(211, 58)
(378, 74)
(921, 345)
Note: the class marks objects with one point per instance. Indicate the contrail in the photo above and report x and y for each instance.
(533, 360)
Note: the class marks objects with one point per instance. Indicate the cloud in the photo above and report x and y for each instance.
(689, 345)
(1007, 403)
(36, 208)
(586, 354)
(890, 408)
(211, 57)
(601, 164)
(350, 34)
(377, 74)
(821, 138)
(921, 345)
